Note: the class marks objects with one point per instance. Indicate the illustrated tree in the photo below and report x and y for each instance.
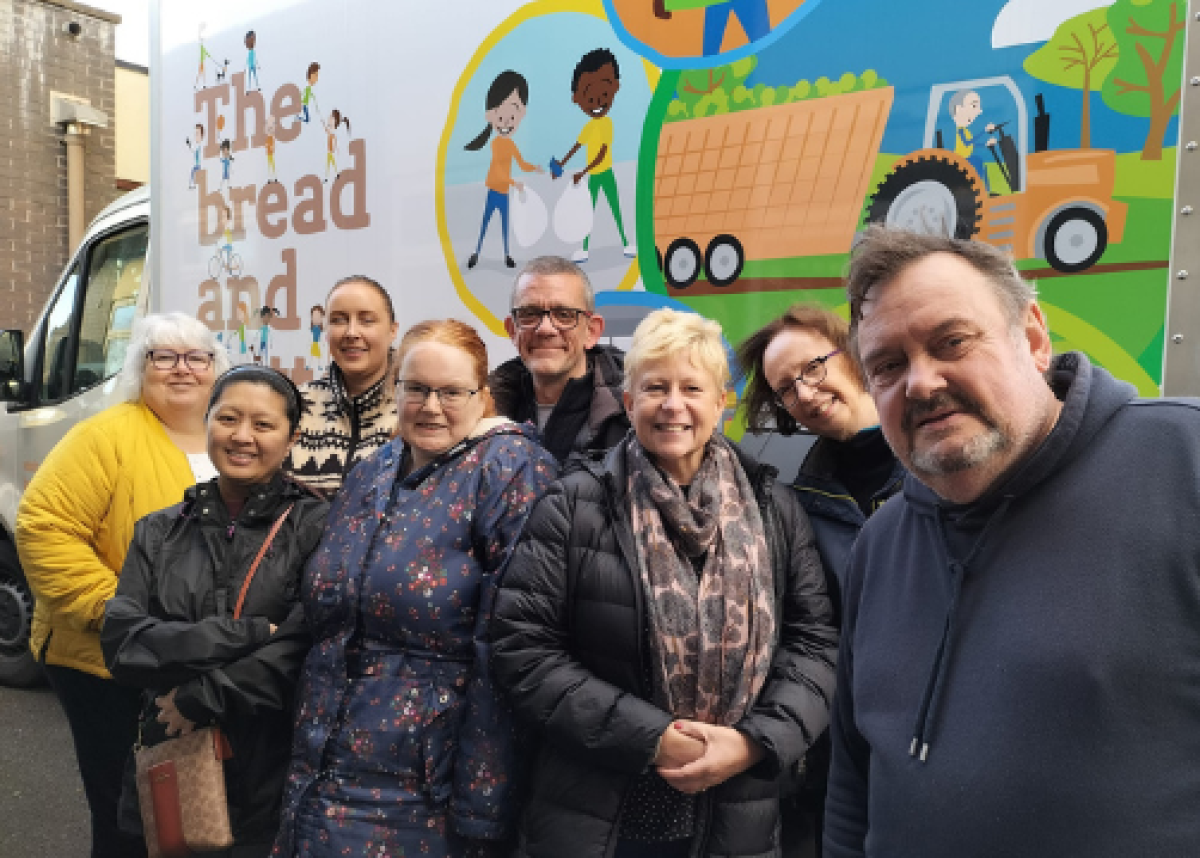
(1080, 55)
(1146, 79)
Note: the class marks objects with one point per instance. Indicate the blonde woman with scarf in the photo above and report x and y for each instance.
(664, 625)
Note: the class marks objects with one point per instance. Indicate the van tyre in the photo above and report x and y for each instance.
(930, 194)
(724, 259)
(681, 265)
(1075, 240)
(18, 667)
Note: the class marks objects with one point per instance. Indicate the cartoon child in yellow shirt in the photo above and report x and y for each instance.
(594, 86)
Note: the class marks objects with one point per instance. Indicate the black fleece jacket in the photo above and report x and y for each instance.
(1020, 676)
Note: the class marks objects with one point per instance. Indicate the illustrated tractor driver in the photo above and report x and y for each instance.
(964, 110)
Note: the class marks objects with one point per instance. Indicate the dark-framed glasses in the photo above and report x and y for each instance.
(167, 359)
(563, 318)
(814, 373)
(415, 393)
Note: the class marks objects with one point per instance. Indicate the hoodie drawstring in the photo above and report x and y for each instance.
(923, 728)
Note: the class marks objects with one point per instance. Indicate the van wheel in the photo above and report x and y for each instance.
(681, 266)
(18, 667)
(1075, 239)
(724, 260)
(929, 194)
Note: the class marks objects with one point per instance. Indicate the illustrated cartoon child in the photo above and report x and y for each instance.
(965, 108)
(309, 95)
(200, 76)
(505, 107)
(316, 316)
(227, 234)
(263, 355)
(753, 15)
(252, 59)
(595, 84)
(269, 128)
(226, 161)
(196, 143)
(336, 120)
(237, 334)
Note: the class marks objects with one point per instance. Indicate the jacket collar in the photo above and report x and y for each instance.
(203, 501)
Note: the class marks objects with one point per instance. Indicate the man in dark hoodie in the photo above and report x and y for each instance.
(1020, 662)
(562, 381)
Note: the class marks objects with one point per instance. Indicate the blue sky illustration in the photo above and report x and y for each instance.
(915, 45)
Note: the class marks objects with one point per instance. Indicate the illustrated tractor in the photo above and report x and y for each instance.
(790, 181)
(1060, 207)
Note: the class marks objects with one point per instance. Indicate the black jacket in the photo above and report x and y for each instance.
(570, 647)
(589, 418)
(165, 629)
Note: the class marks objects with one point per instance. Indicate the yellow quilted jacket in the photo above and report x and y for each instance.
(76, 521)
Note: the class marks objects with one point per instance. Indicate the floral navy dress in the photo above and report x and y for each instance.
(402, 746)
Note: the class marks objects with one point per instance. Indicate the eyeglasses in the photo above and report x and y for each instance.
(814, 373)
(166, 359)
(416, 393)
(563, 318)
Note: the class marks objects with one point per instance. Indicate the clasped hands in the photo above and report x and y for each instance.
(694, 756)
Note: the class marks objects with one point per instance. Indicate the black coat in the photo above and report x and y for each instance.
(570, 639)
(164, 629)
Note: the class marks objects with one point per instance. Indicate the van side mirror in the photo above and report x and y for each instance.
(12, 366)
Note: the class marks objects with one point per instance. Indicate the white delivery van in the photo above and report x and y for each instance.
(295, 142)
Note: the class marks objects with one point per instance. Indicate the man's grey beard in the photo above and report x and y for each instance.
(975, 452)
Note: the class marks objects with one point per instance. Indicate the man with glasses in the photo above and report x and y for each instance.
(1020, 663)
(562, 381)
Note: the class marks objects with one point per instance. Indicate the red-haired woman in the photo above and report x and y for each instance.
(402, 746)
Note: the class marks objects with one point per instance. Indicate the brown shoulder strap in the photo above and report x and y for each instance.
(237, 609)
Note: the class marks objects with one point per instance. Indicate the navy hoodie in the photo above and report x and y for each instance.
(1019, 677)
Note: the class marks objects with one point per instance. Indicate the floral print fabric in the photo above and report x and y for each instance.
(403, 747)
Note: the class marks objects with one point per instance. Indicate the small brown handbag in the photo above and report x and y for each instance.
(181, 782)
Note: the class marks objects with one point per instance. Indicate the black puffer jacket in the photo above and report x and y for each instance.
(570, 640)
(170, 625)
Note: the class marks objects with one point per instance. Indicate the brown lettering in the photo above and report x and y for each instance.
(309, 216)
(209, 311)
(272, 201)
(284, 105)
(206, 100)
(244, 291)
(285, 283)
(252, 101)
(238, 196)
(210, 206)
(354, 178)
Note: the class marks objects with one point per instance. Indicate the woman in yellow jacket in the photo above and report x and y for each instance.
(75, 524)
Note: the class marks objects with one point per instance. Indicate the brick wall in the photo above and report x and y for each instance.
(36, 58)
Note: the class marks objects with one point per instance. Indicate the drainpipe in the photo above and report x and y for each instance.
(73, 138)
(77, 117)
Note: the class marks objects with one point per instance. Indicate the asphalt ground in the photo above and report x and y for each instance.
(43, 812)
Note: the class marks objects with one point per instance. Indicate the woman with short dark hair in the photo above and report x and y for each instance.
(207, 617)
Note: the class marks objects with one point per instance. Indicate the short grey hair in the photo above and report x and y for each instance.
(555, 265)
(956, 100)
(166, 330)
(884, 252)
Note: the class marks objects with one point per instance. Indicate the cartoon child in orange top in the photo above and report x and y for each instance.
(269, 127)
(594, 87)
(506, 102)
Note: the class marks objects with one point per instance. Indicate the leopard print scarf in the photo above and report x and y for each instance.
(712, 631)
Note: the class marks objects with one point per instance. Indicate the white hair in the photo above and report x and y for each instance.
(162, 330)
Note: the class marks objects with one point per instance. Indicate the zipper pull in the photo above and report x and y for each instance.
(229, 531)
